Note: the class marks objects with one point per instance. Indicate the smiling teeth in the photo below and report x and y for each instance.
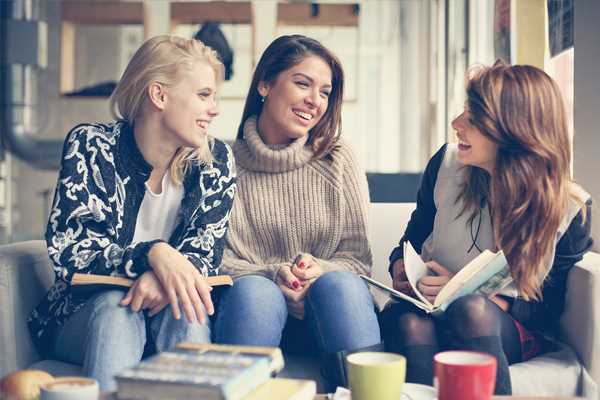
(304, 115)
(463, 143)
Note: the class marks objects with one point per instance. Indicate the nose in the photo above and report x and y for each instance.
(313, 98)
(214, 110)
(456, 122)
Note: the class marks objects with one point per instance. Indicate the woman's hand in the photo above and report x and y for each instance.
(400, 282)
(146, 293)
(293, 290)
(306, 268)
(182, 282)
(431, 285)
(500, 302)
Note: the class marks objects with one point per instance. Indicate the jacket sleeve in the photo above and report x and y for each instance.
(421, 220)
(570, 249)
(204, 239)
(353, 252)
(81, 231)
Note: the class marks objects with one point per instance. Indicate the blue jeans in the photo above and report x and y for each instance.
(107, 338)
(339, 313)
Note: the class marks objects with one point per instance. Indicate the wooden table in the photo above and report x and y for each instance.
(324, 397)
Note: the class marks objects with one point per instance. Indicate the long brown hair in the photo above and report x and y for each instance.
(520, 108)
(282, 54)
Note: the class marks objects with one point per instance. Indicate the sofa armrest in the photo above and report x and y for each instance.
(581, 317)
(25, 276)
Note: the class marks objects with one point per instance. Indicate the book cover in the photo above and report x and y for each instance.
(91, 283)
(284, 389)
(486, 274)
(274, 353)
(186, 374)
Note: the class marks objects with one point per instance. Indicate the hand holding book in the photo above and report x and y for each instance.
(431, 285)
(487, 274)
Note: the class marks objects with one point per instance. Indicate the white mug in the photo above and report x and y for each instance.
(70, 388)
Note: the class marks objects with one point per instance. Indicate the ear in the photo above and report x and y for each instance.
(157, 95)
(263, 88)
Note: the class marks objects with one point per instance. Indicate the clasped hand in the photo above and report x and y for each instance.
(294, 280)
(429, 285)
(173, 280)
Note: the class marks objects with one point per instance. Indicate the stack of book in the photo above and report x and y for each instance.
(202, 371)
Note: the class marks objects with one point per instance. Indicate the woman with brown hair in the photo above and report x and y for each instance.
(504, 186)
(298, 235)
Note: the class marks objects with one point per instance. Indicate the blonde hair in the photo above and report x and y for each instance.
(520, 108)
(161, 59)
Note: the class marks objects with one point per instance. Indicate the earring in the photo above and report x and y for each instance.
(262, 99)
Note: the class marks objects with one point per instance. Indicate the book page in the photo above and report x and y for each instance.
(489, 272)
(396, 295)
(415, 269)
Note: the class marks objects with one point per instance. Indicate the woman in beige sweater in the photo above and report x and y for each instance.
(297, 238)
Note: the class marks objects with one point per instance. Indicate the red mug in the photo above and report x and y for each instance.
(464, 375)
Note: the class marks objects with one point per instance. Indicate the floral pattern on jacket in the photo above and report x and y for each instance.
(90, 229)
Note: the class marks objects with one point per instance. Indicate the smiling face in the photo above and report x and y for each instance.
(190, 105)
(295, 101)
(474, 148)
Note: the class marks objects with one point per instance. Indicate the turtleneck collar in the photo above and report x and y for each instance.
(253, 154)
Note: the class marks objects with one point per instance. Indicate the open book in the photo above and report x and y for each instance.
(89, 283)
(487, 274)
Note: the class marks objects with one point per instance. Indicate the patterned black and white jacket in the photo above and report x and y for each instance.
(91, 225)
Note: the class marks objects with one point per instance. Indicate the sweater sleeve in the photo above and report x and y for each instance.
(421, 220)
(81, 232)
(570, 249)
(204, 239)
(353, 252)
(237, 267)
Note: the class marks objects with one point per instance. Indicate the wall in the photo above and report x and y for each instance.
(586, 164)
(386, 115)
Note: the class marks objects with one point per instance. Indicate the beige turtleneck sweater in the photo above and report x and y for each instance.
(288, 203)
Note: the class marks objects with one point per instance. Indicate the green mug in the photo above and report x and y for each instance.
(376, 376)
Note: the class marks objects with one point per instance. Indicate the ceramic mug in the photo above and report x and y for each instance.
(70, 388)
(464, 375)
(376, 375)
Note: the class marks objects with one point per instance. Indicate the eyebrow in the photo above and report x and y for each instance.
(310, 79)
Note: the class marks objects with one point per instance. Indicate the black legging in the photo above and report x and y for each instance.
(471, 322)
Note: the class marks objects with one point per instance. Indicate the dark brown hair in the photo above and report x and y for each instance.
(520, 108)
(283, 53)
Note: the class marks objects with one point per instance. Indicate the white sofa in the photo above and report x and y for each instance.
(25, 276)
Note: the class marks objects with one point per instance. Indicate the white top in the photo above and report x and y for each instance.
(157, 216)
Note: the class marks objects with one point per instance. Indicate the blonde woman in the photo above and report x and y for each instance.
(505, 186)
(148, 198)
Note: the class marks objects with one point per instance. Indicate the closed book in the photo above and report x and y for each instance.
(189, 374)
(82, 284)
(274, 353)
(284, 389)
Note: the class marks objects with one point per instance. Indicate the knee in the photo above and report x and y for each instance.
(255, 293)
(107, 313)
(469, 309)
(410, 326)
(341, 286)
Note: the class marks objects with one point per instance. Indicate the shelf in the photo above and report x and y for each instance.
(75, 13)
(315, 14)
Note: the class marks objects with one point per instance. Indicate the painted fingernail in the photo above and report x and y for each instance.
(295, 284)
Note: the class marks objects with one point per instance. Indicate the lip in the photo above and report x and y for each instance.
(301, 120)
(202, 123)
